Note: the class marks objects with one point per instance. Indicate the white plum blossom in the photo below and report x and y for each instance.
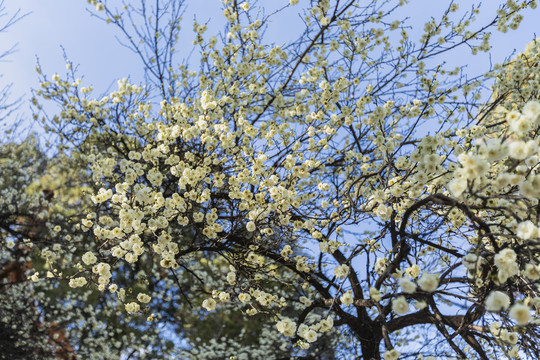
(77, 282)
(532, 110)
(532, 272)
(144, 298)
(497, 301)
(527, 230)
(391, 354)
(286, 326)
(347, 298)
(407, 285)
(132, 307)
(457, 186)
(472, 261)
(341, 271)
(251, 227)
(521, 313)
(89, 258)
(428, 282)
(506, 262)
(400, 305)
(209, 304)
(380, 265)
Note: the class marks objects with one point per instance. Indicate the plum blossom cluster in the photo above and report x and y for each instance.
(295, 187)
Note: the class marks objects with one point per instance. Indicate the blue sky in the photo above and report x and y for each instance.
(52, 24)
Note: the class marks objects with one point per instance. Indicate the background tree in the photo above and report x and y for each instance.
(41, 199)
(296, 185)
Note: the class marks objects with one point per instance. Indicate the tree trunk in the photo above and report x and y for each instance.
(370, 349)
(370, 339)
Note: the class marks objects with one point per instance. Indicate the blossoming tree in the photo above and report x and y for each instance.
(346, 189)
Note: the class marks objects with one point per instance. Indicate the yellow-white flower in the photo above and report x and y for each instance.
(497, 301)
(209, 304)
(244, 297)
(89, 258)
(341, 271)
(250, 226)
(77, 282)
(347, 298)
(144, 298)
(428, 282)
(286, 326)
(407, 285)
(132, 307)
(391, 354)
(400, 305)
(521, 313)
